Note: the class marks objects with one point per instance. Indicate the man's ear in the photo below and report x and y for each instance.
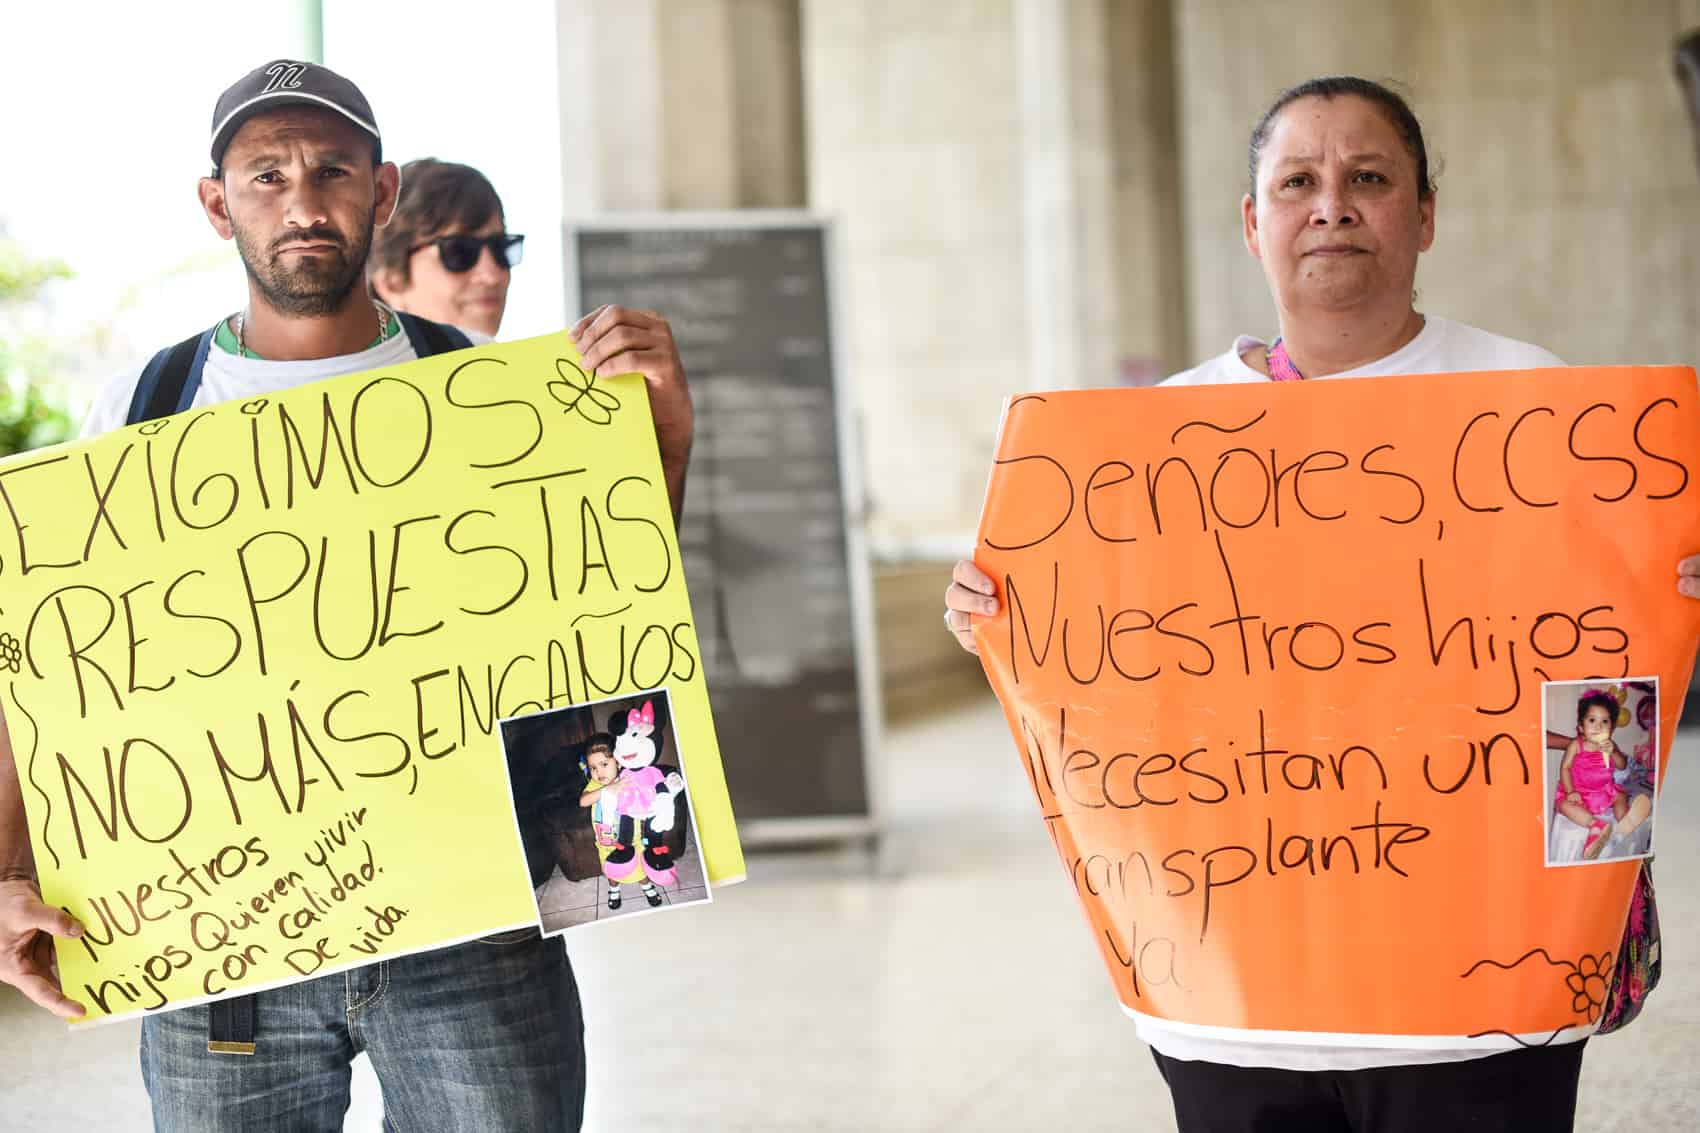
(387, 180)
(217, 208)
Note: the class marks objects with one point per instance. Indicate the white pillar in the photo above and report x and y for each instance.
(1054, 200)
(679, 104)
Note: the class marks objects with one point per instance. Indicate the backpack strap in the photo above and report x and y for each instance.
(430, 338)
(170, 379)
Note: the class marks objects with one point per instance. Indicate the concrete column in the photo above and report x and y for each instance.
(679, 104)
(1007, 179)
(1145, 146)
(914, 145)
(1106, 271)
(1062, 144)
(767, 103)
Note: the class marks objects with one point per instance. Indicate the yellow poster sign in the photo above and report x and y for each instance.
(253, 656)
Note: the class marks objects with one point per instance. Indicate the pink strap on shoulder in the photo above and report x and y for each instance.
(1281, 368)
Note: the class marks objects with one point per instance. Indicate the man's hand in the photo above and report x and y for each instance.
(971, 592)
(26, 946)
(619, 340)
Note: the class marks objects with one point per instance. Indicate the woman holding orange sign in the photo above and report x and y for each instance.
(1339, 208)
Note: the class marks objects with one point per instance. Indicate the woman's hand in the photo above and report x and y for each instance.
(1688, 576)
(971, 592)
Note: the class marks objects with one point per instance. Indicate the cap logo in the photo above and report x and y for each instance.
(284, 76)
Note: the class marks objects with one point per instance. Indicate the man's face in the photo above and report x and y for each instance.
(299, 193)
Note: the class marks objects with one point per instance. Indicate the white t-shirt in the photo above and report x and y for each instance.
(1442, 346)
(227, 377)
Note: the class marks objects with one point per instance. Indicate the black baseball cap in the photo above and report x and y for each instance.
(287, 82)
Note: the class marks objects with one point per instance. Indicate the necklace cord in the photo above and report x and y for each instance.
(378, 307)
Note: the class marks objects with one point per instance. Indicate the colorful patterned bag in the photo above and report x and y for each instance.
(1636, 972)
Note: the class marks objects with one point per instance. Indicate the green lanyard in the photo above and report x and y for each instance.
(225, 338)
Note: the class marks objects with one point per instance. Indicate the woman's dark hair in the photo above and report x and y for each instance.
(1336, 86)
(1602, 699)
(435, 196)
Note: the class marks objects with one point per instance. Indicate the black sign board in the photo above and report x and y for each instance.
(778, 578)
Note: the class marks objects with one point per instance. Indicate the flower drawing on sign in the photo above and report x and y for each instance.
(577, 391)
(1588, 981)
(11, 653)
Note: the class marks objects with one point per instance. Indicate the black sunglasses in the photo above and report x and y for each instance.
(459, 253)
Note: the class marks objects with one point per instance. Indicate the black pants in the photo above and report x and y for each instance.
(1523, 1091)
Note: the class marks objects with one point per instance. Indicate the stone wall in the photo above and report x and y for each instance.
(1046, 192)
(1569, 205)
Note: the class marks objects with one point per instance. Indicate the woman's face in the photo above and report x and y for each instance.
(1337, 222)
(603, 767)
(474, 299)
(1644, 714)
(1596, 723)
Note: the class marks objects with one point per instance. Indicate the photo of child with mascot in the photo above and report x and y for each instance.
(1601, 769)
(603, 810)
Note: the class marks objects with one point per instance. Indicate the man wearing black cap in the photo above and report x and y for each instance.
(485, 1035)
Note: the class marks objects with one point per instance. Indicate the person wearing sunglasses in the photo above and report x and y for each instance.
(447, 254)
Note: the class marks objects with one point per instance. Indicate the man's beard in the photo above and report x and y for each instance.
(318, 284)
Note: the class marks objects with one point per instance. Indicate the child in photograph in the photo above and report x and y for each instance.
(1588, 794)
(605, 782)
(1638, 779)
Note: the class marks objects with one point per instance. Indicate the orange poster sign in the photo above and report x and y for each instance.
(1301, 676)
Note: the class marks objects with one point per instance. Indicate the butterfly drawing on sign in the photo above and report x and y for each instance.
(577, 391)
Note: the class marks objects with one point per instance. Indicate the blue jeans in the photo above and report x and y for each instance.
(485, 1036)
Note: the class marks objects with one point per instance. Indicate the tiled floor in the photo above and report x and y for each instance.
(567, 904)
(949, 985)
